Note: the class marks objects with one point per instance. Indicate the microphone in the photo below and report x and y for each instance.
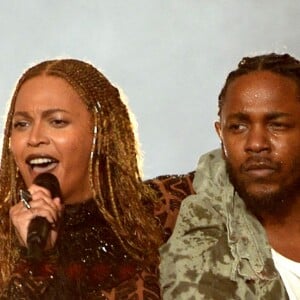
(39, 227)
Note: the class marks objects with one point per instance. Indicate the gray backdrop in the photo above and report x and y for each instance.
(170, 57)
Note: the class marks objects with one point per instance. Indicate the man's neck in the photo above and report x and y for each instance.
(284, 233)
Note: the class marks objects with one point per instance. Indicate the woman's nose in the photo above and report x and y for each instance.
(37, 136)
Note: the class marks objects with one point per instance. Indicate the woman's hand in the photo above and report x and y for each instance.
(42, 205)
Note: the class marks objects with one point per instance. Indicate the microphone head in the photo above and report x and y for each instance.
(49, 182)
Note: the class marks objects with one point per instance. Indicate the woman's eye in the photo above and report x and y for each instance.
(59, 123)
(20, 124)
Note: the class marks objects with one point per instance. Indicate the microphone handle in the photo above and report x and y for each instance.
(39, 228)
(38, 231)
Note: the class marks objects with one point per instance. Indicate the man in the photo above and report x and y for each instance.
(239, 236)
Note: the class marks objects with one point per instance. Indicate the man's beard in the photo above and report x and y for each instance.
(276, 203)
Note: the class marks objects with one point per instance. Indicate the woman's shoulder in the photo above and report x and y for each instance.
(176, 185)
(171, 190)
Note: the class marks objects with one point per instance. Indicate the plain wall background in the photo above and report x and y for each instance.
(170, 57)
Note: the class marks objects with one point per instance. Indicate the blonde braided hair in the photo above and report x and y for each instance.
(124, 200)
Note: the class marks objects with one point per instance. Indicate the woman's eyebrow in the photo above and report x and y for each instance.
(44, 113)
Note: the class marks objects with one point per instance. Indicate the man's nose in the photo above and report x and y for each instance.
(257, 140)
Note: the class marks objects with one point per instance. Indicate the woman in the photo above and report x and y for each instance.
(67, 119)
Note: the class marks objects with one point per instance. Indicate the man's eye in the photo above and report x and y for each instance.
(279, 125)
(236, 127)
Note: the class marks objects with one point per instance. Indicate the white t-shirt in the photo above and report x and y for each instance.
(289, 271)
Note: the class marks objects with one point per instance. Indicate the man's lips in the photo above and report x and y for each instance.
(260, 167)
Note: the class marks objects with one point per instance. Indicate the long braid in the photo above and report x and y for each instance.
(114, 175)
(283, 64)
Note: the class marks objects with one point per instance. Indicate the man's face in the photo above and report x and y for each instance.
(260, 131)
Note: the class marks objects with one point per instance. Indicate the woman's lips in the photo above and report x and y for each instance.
(41, 163)
(44, 168)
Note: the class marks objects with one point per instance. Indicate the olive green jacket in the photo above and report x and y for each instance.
(218, 250)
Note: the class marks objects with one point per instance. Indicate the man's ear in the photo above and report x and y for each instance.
(218, 129)
(219, 133)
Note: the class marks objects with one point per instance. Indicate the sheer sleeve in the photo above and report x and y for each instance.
(34, 281)
(46, 282)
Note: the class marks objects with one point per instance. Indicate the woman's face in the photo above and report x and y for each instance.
(52, 132)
